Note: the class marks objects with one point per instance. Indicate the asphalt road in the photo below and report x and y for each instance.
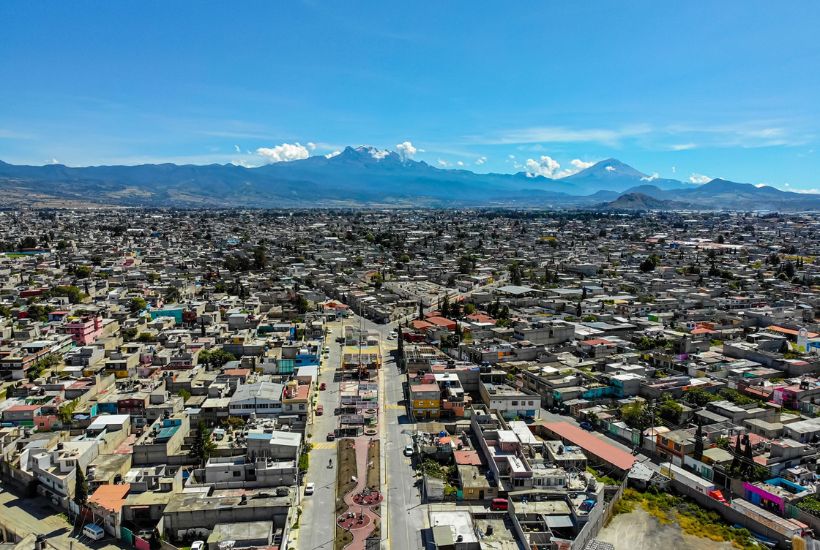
(318, 518)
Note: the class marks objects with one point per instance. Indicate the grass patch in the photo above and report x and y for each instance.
(346, 461)
(692, 518)
(342, 538)
(374, 473)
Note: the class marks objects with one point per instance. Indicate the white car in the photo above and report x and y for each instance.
(309, 488)
(392, 336)
(198, 545)
(408, 450)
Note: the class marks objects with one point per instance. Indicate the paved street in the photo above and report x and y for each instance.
(318, 518)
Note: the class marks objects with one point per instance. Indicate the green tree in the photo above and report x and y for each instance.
(173, 295)
(137, 304)
(203, 446)
(80, 486)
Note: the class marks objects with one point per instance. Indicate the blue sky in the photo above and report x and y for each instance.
(691, 90)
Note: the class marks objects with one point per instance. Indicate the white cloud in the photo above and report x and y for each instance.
(243, 163)
(511, 157)
(406, 149)
(54, 161)
(560, 134)
(699, 179)
(285, 152)
(683, 146)
(580, 164)
(443, 163)
(674, 169)
(237, 149)
(335, 153)
(545, 166)
(460, 163)
(759, 185)
(653, 177)
(481, 160)
(311, 145)
(378, 154)
(610, 168)
(812, 191)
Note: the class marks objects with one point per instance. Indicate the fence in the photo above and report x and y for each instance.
(599, 517)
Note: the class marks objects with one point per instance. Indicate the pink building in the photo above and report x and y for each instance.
(84, 331)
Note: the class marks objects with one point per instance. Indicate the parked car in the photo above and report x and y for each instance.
(198, 545)
(95, 532)
(392, 336)
(309, 488)
(331, 436)
(320, 410)
(499, 504)
(586, 426)
(322, 386)
(408, 450)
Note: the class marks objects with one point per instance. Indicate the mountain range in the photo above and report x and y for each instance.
(366, 176)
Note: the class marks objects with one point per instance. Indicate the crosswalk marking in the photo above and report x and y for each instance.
(393, 407)
(324, 445)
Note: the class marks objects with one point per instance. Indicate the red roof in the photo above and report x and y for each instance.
(417, 388)
(236, 372)
(789, 331)
(469, 457)
(110, 497)
(441, 322)
(701, 330)
(18, 408)
(597, 342)
(592, 444)
(421, 325)
(480, 318)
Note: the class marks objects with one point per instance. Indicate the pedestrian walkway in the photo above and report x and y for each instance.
(360, 524)
(324, 445)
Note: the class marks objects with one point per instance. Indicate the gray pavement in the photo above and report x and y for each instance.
(317, 524)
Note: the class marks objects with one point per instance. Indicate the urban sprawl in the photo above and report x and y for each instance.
(401, 379)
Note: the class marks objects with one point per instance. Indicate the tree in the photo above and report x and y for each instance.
(136, 305)
(648, 265)
(173, 295)
(698, 452)
(80, 486)
(670, 410)
(203, 446)
(445, 306)
(27, 242)
(260, 257)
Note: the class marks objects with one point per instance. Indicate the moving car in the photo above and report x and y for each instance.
(586, 426)
(309, 488)
(331, 436)
(322, 386)
(392, 336)
(408, 450)
(320, 410)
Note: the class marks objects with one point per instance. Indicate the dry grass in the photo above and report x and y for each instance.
(342, 539)
(373, 474)
(346, 469)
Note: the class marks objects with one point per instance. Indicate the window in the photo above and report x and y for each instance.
(302, 407)
(237, 473)
(514, 403)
